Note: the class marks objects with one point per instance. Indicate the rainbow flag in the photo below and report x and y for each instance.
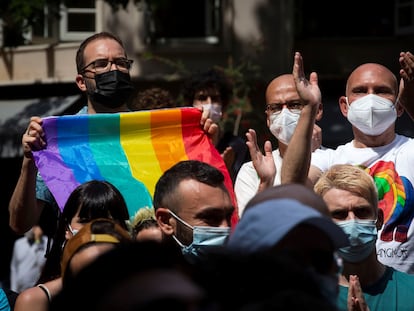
(131, 150)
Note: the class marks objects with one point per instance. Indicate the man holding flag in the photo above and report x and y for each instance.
(103, 74)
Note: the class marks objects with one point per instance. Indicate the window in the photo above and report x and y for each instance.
(184, 21)
(44, 28)
(404, 17)
(345, 19)
(78, 19)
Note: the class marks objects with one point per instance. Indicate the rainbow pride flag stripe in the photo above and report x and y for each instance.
(131, 150)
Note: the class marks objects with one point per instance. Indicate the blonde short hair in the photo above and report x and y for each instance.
(350, 178)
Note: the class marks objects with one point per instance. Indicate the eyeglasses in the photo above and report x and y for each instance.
(294, 107)
(104, 65)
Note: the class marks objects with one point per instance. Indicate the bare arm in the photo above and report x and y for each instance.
(406, 96)
(24, 208)
(35, 298)
(296, 162)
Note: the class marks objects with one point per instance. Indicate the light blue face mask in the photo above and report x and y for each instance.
(204, 237)
(362, 235)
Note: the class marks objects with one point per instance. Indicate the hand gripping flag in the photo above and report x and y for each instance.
(131, 150)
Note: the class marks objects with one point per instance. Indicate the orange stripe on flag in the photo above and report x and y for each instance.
(167, 137)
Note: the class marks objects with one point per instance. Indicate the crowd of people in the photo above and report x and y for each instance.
(317, 228)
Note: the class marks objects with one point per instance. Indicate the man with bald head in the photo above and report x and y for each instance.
(372, 102)
(283, 107)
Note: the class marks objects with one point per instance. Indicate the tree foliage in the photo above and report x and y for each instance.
(17, 16)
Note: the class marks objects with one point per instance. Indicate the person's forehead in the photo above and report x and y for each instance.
(340, 199)
(371, 74)
(280, 92)
(103, 48)
(197, 198)
(197, 193)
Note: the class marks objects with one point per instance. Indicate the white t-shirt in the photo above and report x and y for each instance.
(27, 263)
(392, 167)
(247, 181)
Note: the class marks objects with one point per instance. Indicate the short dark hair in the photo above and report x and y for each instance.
(190, 169)
(80, 61)
(153, 98)
(211, 79)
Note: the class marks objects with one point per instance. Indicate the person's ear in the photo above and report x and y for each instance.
(68, 234)
(320, 112)
(343, 105)
(399, 108)
(380, 219)
(165, 220)
(267, 119)
(80, 82)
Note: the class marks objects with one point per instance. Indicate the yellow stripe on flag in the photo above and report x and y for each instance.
(135, 138)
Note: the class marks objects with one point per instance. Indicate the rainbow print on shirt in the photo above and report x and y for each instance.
(396, 199)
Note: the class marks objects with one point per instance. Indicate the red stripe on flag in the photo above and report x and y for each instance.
(197, 148)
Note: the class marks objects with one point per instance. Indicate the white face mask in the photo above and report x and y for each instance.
(73, 231)
(215, 111)
(371, 114)
(283, 124)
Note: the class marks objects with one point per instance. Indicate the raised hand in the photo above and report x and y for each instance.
(296, 161)
(209, 126)
(263, 164)
(406, 93)
(33, 138)
(308, 89)
(406, 61)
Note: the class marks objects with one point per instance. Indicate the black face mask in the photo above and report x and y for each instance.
(113, 88)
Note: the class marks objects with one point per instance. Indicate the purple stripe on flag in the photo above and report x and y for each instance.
(56, 175)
